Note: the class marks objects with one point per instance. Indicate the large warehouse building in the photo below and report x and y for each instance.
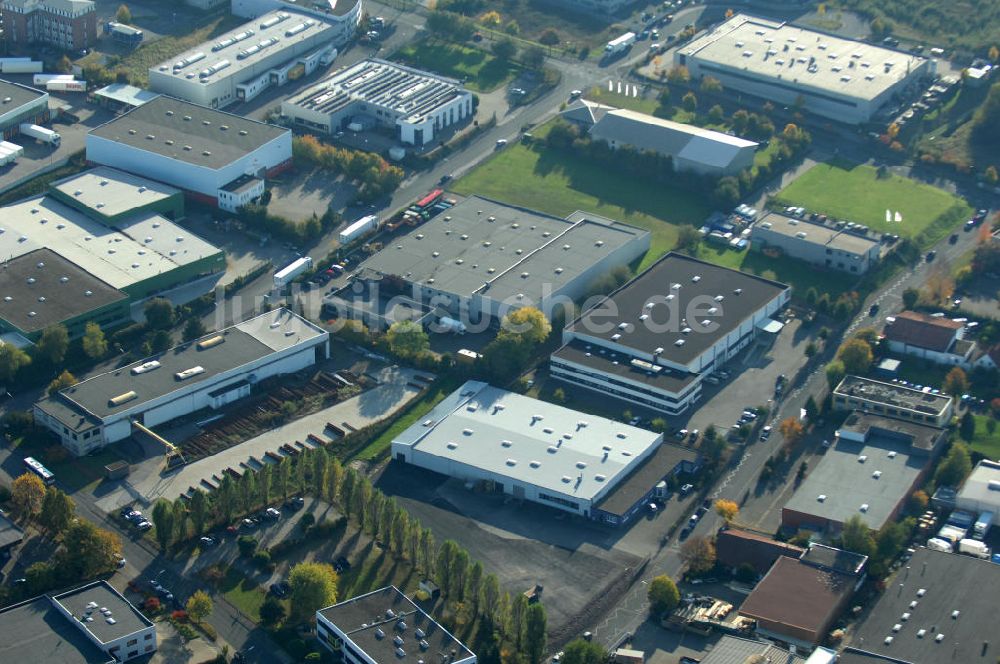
(240, 64)
(841, 79)
(416, 105)
(21, 104)
(537, 451)
(652, 341)
(210, 372)
(198, 149)
(482, 258)
(345, 12)
(95, 243)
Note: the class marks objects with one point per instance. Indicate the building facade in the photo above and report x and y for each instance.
(829, 247)
(66, 24)
(935, 339)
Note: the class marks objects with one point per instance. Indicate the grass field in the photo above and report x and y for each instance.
(481, 71)
(857, 194)
(243, 593)
(986, 442)
(556, 183)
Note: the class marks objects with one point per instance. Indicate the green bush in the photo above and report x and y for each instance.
(247, 545)
(262, 558)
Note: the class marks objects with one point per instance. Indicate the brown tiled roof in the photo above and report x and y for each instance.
(798, 599)
(916, 329)
(734, 547)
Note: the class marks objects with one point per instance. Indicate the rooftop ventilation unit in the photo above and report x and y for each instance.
(145, 367)
(210, 342)
(122, 398)
(189, 373)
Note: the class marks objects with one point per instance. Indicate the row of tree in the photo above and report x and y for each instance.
(375, 175)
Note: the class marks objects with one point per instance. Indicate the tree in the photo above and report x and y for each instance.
(688, 238)
(549, 37)
(663, 594)
(65, 65)
(690, 102)
(679, 74)
(956, 383)
(918, 501)
(811, 408)
(407, 338)
(314, 586)
(727, 509)
(698, 553)
(529, 324)
(193, 329)
(27, 493)
(199, 511)
(53, 343)
(199, 606)
(272, 611)
(967, 427)
(159, 314)
(910, 297)
(533, 57)
(57, 511)
(124, 14)
(993, 54)
(711, 84)
(282, 479)
(835, 373)
(955, 466)
(95, 345)
(446, 555)
(490, 595)
(856, 356)
(159, 342)
(857, 536)
(990, 174)
(505, 49)
(163, 520)
(61, 382)
(534, 633)
(715, 114)
(474, 582)
(491, 19)
(88, 550)
(792, 430)
(581, 651)
(12, 359)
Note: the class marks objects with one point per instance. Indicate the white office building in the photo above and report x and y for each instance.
(841, 79)
(210, 372)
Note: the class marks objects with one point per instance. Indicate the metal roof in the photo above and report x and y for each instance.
(983, 484)
(736, 650)
(126, 94)
(566, 452)
(821, 234)
(92, 600)
(110, 192)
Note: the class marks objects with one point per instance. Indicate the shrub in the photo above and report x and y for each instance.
(262, 558)
(247, 545)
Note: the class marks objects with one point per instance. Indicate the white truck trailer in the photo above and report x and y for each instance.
(20, 66)
(446, 324)
(974, 548)
(358, 229)
(41, 134)
(619, 45)
(285, 275)
(43, 79)
(66, 85)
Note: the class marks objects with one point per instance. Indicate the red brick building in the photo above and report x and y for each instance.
(67, 24)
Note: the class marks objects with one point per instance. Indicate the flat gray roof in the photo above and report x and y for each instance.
(35, 631)
(978, 485)
(865, 479)
(42, 288)
(10, 533)
(126, 94)
(737, 650)
(892, 394)
(243, 47)
(375, 620)
(18, 94)
(175, 124)
(90, 601)
(644, 477)
(937, 584)
(678, 283)
(587, 355)
(243, 343)
(564, 451)
(111, 192)
(825, 236)
(921, 437)
(515, 250)
(769, 49)
(145, 246)
(410, 93)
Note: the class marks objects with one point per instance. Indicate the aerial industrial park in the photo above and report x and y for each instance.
(378, 331)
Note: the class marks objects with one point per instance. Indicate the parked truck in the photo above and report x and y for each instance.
(974, 548)
(9, 152)
(619, 45)
(123, 34)
(982, 526)
(66, 85)
(20, 66)
(359, 229)
(285, 275)
(41, 134)
(43, 79)
(446, 324)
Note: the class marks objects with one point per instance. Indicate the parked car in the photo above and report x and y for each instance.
(873, 310)
(341, 565)
(272, 513)
(501, 142)
(206, 542)
(295, 503)
(280, 589)
(686, 489)
(765, 433)
(930, 255)
(121, 563)
(248, 523)
(144, 525)
(953, 239)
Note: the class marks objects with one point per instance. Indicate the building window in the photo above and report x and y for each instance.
(148, 637)
(131, 642)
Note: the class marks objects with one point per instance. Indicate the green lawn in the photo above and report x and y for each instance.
(553, 182)
(856, 193)
(243, 593)
(986, 442)
(641, 104)
(481, 71)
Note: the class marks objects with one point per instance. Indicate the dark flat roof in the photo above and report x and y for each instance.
(80, 602)
(660, 464)
(696, 282)
(734, 547)
(40, 297)
(10, 533)
(848, 562)
(19, 95)
(921, 437)
(163, 118)
(35, 631)
(241, 184)
(950, 582)
(797, 595)
(584, 354)
(372, 621)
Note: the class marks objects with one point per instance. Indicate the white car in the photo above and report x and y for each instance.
(501, 142)
(575, 93)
